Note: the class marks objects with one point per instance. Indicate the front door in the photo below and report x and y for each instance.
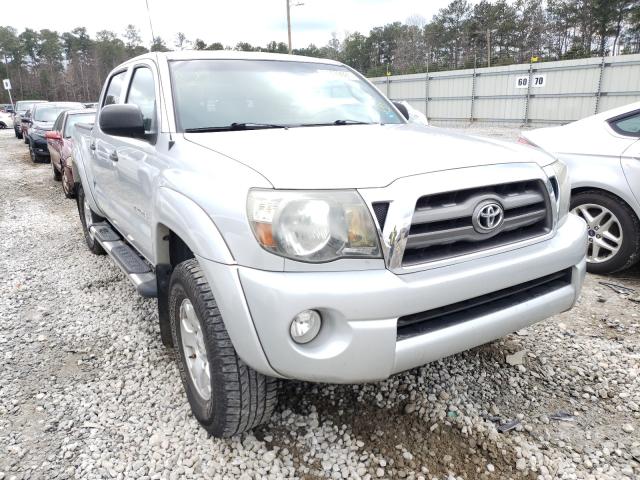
(136, 162)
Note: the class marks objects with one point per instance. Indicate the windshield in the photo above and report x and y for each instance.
(24, 106)
(48, 114)
(219, 93)
(77, 118)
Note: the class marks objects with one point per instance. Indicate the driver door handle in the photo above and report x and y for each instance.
(113, 156)
(92, 146)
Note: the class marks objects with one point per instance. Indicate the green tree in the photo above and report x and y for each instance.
(158, 45)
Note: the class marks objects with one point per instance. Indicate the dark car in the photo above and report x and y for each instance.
(60, 146)
(21, 108)
(40, 121)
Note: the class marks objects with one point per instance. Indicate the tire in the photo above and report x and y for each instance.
(68, 187)
(26, 139)
(35, 158)
(624, 224)
(92, 243)
(239, 397)
(18, 133)
(57, 176)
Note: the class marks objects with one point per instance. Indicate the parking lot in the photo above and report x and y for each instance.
(87, 389)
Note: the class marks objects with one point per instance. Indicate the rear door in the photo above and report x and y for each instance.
(103, 151)
(137, 162)
(629, 126)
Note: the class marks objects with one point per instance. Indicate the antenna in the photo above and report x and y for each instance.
(153, 37)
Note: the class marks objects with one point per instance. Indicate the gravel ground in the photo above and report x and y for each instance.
(88, 391)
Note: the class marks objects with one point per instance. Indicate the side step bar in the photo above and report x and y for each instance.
(138, 271)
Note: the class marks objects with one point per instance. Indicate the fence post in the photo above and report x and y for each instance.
(388, 86)
(526, 105)
(473, 91)
(599, 91)
(426, 92)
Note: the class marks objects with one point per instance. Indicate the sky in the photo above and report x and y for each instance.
(229, 22)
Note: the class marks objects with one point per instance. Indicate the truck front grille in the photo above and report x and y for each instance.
(443, 224)
(438, 318)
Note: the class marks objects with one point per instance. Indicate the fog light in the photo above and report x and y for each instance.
(305, 326)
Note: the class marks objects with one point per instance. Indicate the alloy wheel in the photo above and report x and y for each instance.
(194, 349)
(604, 232)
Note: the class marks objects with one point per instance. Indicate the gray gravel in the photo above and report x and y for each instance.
(88, 391)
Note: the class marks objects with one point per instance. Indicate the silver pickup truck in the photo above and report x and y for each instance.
(293, 225)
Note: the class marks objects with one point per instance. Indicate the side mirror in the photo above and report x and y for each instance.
(52, 135)
(122, 121)
(403, 109)
(27, 121)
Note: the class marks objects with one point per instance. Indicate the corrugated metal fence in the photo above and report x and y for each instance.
(540, 93)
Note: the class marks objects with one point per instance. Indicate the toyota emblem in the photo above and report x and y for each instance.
(488, 217)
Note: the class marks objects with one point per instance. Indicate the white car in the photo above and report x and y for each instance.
(603, 156)
(5, 120)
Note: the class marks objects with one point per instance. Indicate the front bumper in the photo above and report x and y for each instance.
(358, 341)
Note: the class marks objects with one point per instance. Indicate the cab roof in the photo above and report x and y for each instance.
(227, 55)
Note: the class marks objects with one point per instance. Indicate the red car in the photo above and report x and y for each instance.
(60, 145)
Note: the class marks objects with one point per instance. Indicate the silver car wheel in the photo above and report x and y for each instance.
(195, 352)
(604, 232)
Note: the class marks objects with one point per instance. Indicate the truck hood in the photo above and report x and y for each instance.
(358, 156)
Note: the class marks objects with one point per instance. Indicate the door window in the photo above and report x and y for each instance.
(627, 125)
(114, 89)
(142, 93)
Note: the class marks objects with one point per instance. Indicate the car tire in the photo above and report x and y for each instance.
(18, 133)
(86, 214)
(26, 139)
(57, 176)
(32, 153)
(239, 398)
(68, 187)
(624, 224)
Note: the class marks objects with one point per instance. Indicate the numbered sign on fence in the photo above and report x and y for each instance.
(7, 84)
(537, 81)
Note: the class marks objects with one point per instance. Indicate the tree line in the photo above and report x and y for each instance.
(73, 65)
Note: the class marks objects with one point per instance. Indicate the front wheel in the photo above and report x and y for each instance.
(18, 133)
(613, 231)
(88, 218)
(56, 174)
(226, 396)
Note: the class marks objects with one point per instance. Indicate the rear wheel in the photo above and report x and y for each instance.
(88, 218)
(613, 231)
(226, 396)
(35, 158)
(18, 133)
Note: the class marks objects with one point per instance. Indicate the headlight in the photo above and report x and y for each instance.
(559, 176)
(313, 226)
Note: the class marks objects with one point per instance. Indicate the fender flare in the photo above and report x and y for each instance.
(178, 213)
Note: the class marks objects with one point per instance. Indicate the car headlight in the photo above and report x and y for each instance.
(313, 226)
(558, 173)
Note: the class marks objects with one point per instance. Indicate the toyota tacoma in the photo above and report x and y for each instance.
(293, 225)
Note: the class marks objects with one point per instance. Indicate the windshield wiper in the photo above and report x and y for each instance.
(338, 122)
(236, 126)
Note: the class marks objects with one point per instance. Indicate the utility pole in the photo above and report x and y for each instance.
(289, 24)
(488, 47)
